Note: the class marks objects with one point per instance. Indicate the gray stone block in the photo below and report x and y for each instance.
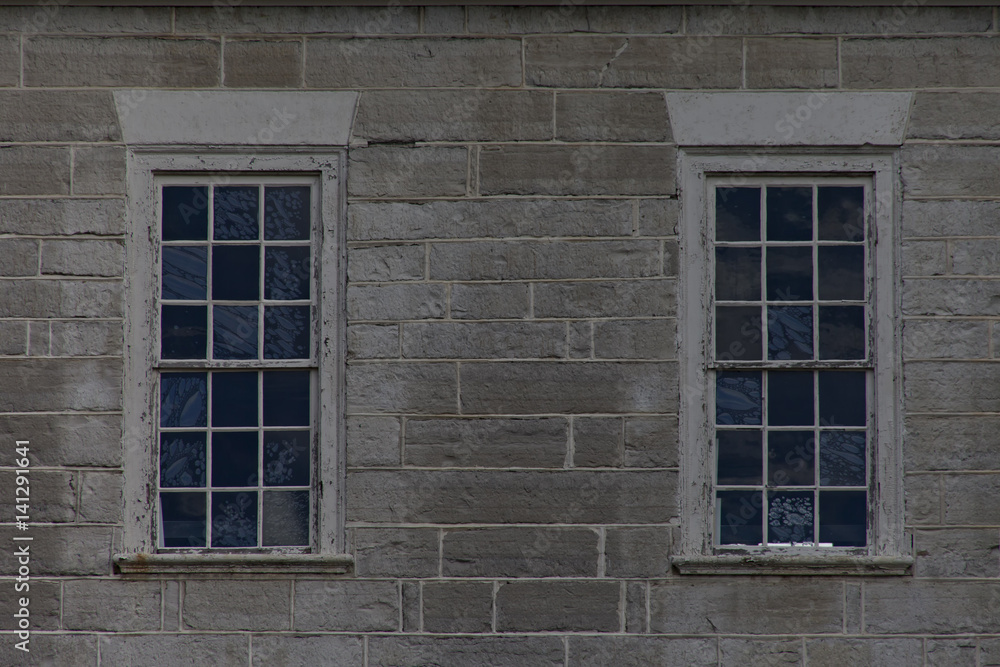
(658, 217)
(444, 20)
(270, 63)
(836, 652)
(650, 442)
(389, 19)
(411, 606)
(633, 62)
(453, 115)
(611, 116)
(373, 441)
(419, 651)
(930, 386)
(83, 258)
(957, 552)
(395, 552)
(557, 496)
(736, 652)
(635, 339)
(109, 605)
(63, 18)
(101, 497)
(526, 387)
(792, 63)
(428, 171)
(162, 650)
(924, 258)
(172, 606)
(68, 550)
(421, 388)
(412, 63)
(979, 257)
(909, 18)
(60, 384)
(489, 301)
(79, 338)
(598, 442)
(933, 296)
(63, 298)
(121, 61)
(950, 652)
(373, 341)
(973, 442)
(581, 340)
(520, 552)
(923, 499)
(62, 216)
(558, 606)
(216, 604)
(484, 340)
(34, 170)
(597, 298)
(54, 650)
(44, 602)
(492, 443)
(52, 493)
(637, 552)
(49, 115)
(573, 18)
(351, 606)
(955, 115)
(99, 170)
(396, 302)
(989, 652)
(969, 499)
(576, 170)
(643, 651)
(18, 257)
(39, 335)
(13, 337)
(950, 218)
(636, 603)
(10, 60)
(915, 606)
(946, 339)
(950, 170)
(951, 62)
(458, 607)
(70, 439)
(307, 650)
(385, 263)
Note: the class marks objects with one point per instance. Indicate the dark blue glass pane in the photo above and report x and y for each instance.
(738, 397)
(842, 458)
(842, 398)
(740, 517)
(789, 214)
(182, 459)
(841, 213)
(790, 517)
(789, 274)
(234, 399)
(841, 332)
(185, 213)
(740, 459)
(791, 458)
(737, 214)
(286, 398)
(841, 272)
(236, 273)
(737, 333)
(789, 332)
(286, 332)
(286, 273)
(234, 519)
(286, 213)
(183, 519)
(286, 458)
(286, 518)
(234, 332)
(183, 400)
(737, 274)
(843, 518)
(236, 211)
(234, 458)
(790, 398)
(183, 332)
(185, 272)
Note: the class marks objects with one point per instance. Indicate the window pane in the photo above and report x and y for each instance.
(790, 398)
(842, 518)
(737, 274)
(236, 211)
(234, 458)
(841, 213)
(790, 458)
(184, 332)
(183, 399)
(841, 332)
(286, 332)
(236, 273)
(182, 517)
(790, 517)
(286, 273)
(789, 214)
(286, 518)
(842, 458)
(842, 398)
(789, 274)
(738, 397)
(739, 516)
(286, 458)
(789, 332)
(286, 213)
(842, 273)
(185, 272)
(737, 332)
(234, 332)
(234, 519)
(737, 214)
(739, 456)
(182, 459)
(286, 398)
(234, 399)
(185, 213)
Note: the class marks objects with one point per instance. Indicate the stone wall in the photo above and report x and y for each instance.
(512, 395)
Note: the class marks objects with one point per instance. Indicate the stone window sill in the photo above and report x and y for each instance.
(771, 564)
(229, 566)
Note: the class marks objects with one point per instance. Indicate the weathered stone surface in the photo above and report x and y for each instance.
(60, 298)
(635, 607)
(83, 258)
(428, 171)
(60, 384)
(642, 651)
(989, 652)
(924, 258)
(791, 63)
(658, 217)
(53, 650)
(948, 652)
(933, 386)
(538, 606)
(447, 20)
(611, 116)
(385, 263)
(39, 335)
(736, 652)
(401, 387)
(111, 605)
(520, 552)
(373, 441)
(950, 218)
(484, 340)
(62, 18)
(597, 441)
(404, 651)
(923, 499)
(836, 652)
(650, 442)
(637, 552)
(957, 552)
(748, 605)
(620, 298)
(10, 60)
(373, 341)
(101, 497)
(121, 61)
(494, 443)
(920, 63)
(52, 496)
(44, 601)
(395, 552)
(161, 650)
(13, 337)
(232, 605)
(918, 606)
(969, 499)
(946, 339)
(635, 339)
(581, 340)
(458, 607)
(99, 170)
(950, 170)
(305, 650)
(979, 257)
(573, 18)
(532, 387)
(752, 20)
(411, 606)
(933, 296)
(955, 115)
(549, 260)
(49, 115)
(451, 115)
(393, 19)
(557, 496)
(396, 302)
(576, 170)
(62, 216)
(633, 62)
(489, 301)
(78, 338)
(352, 606)
(491, 218)
(70, 440)
(416, 63)
(952, 442)
(18, 257)
(263, 63)
(34, 170)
